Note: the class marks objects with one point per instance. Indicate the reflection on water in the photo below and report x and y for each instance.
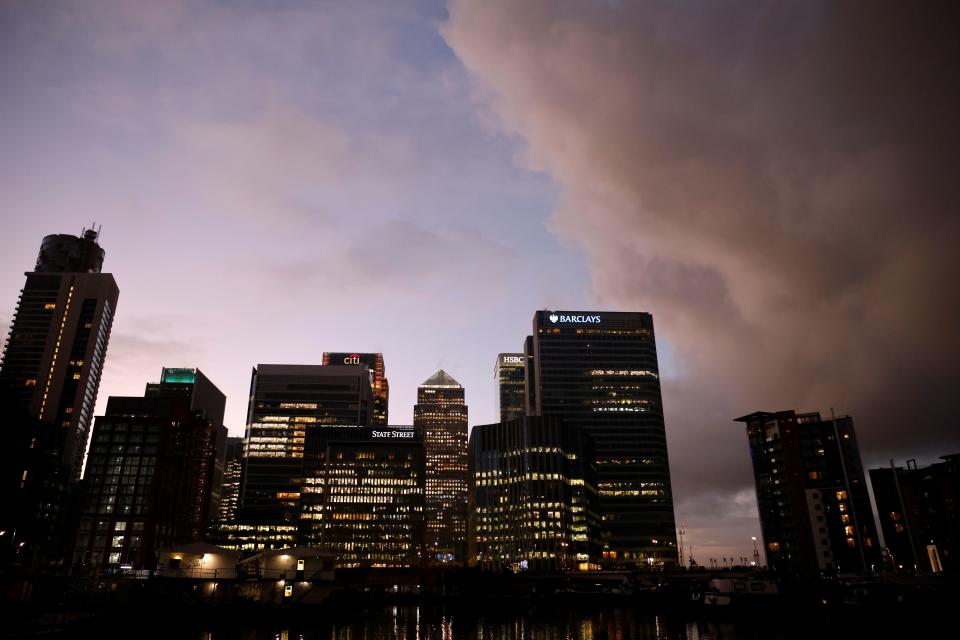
(489, 621)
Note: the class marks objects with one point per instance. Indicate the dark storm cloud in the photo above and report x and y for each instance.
(775, 182)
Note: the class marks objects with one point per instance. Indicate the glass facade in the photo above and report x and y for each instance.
(441, 413)
(365, 496)
(598, 371)
(509, 375)
(381, 387)
(533, 496)
(285, 401)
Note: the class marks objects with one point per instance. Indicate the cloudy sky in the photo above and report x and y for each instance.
(776, 183)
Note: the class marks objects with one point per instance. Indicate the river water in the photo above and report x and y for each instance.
(493, 621)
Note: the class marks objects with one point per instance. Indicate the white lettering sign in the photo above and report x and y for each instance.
(352, 359)
(512, 360)
(577, 319)
(392, 434)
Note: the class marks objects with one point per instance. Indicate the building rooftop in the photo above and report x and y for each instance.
(441, 379)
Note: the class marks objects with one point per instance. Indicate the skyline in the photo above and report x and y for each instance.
(415, 182)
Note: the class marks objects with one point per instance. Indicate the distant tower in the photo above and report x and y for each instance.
(378, 379)
(49, 380)
(509, 375)
(442, 414)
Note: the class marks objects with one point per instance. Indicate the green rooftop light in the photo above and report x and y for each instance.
(188, 376)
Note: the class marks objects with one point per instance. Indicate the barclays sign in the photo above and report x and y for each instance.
(559, 318)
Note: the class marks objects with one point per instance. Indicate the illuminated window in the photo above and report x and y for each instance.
(31, 382)
(49, 306)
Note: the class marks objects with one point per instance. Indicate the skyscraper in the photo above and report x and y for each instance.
(149, 482)
(815, 511)
(366, 494)
(509, 374)
(381, 387)
(441, 413)
(284, 401)
(598, 371)
(49, 380)
(532, 496)
(230, 486)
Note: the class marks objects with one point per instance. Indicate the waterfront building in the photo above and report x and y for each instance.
(381, 386)
(598, 371)
(285, 400)
(149, 479)
(509, 375)
(441, 413)
(365, 496)
(812, 497)
(533, 497)
(919, 509)
(49, 378)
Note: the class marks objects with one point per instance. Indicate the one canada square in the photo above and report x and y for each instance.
(598, 371)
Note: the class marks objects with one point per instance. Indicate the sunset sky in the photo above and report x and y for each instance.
(775, 182)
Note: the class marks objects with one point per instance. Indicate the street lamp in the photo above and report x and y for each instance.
(756, 552)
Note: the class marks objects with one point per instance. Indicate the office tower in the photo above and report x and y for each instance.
(284, 401)
(366, 494)
(812, 497)
(598, 371)
(230, 487)
(533, 496)
(381, 387)
(919, 509)
(441, 413)
(149, 479)
(49, 379)
(509, 375)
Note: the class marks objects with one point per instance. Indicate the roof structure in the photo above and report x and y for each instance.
(441, 379)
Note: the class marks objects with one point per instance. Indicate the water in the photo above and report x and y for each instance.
(489, 621)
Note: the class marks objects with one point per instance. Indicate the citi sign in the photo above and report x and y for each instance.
(555, 318)
(353, 358)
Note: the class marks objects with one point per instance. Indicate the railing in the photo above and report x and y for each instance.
(196, 572)
(243, 572)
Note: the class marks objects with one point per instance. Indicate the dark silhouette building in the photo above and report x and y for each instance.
(815, 511)
(919, 509)
(533, 496)
(509, 374)
(441, 413)
(286, 400)
(149, 480)
(598, 371)
(381, 386)
(49, 378)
